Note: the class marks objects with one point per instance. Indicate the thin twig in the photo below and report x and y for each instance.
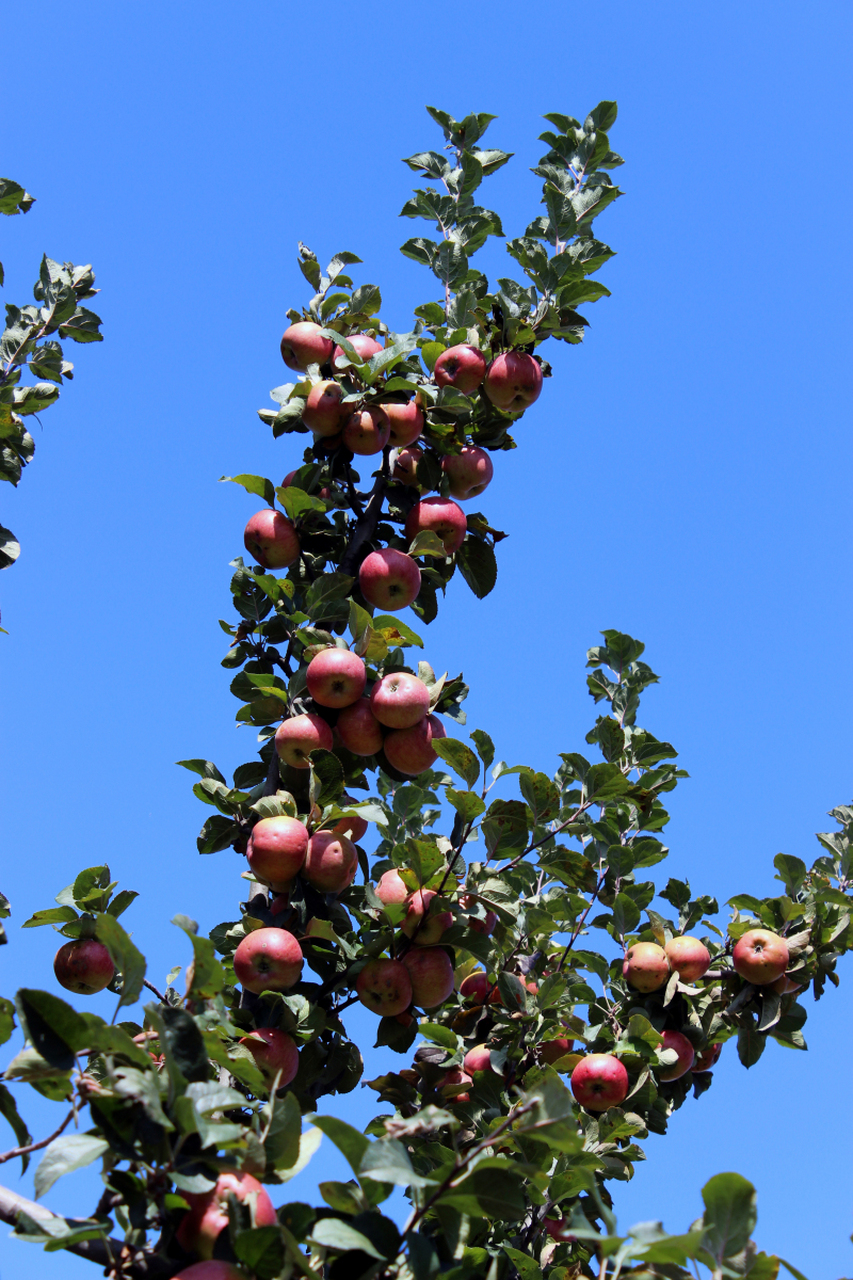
(158, 994)
(37, 1146)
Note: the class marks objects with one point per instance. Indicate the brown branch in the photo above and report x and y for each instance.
(365, 525)
(37, 1146)
(158, 994)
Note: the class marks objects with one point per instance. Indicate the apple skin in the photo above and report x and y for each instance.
(599, 1081)
(365, 347)
(513, 381)
(391, 888)
(276, 849)
(296, 738)
(208, 1212)
(462, 367)
(399, 700)
(385, 987)
(705, 1060)
(443, 517)
(268, 960)
(211, 1270)
(406, 466)
(486, 926)
(271, 539)
(558, 1229)
(83, 966)
(686, 1053)
(409, 751)
(331, 862)
(553, 1050)
(303, 344)
(760, 957)
(689, 956)
(431, 975)
(358, 729)
(469, 472)
(277, 1053)
(785, 986)
(435, 923)
(336, 678)
(389, 579)
(476, 987)
(406, 423)
(353, 826)
(366, 431)
(477, 1059)
(646, 966)
(454, 1086)
(323, 411)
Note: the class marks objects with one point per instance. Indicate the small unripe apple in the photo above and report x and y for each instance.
(409, 751)
(271, 539)
(705, 1060)
(469, 472)
(599, 1081)
(406, 466)
(399, 700)
(385, 987)
(323, 412)
(462, 367)
(760, 957)
(477, 1059)
(513, 381)
(273, 1051)
(442, 517)
(336, 678)
(208, 1213)
(690, 957)
(391, 888)
(364, 345)
(389, 579)
(431, 975)
(303, 344)
(406, 422)
(84, 966)
(331, 862)
(366, 431)
(645, 966)
(277, 848)
(682, 1046)
(434, 922)
(296, 738)
(268, 960)
(358, 729)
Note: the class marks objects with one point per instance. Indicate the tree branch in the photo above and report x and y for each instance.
(37, 1146)
(365, 526)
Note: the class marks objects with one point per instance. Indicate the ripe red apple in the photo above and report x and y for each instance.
(389, 579)
(268, 960)
(208, 1212)
(785, 986)
(296, 738)
(682, 1046)
(552, 1050)
(273, 1051)
(84, 966)
(405, 470)
(366, 431)
(406, 422)
(409, 751)
(558, 1229)
(277, 848)
(303, 344)
(599, 1081)
(336, 678)
(358, 729)
(477, 1059)
(690, 957)
(352, 825)
(271, 539)
(211, 1270)
(399, 700)
(513, 381)
(705, 1060)
(454, 1087)
(443, 517)
(391, 888)
(646, 967)
(760, 957)
(419, 906)
(476, 987)
(431, 975)
(323, 411)
(469, 472)
(385, 987)
(331, 862)
(364, 345)
(288, 480)
(462, 367)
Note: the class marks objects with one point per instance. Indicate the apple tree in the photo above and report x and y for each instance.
(550, 1005)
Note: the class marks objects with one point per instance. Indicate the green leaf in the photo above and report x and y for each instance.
(478, 566)
(325, 593)
(460, 758)
(730, 1215)
(496, 1194)
(127, 959)
(466, 803)
(262, 1250)
(10, 548)
(254, 484)
(9, 1109)
(204, 768)
(283, 1121)
(341, 1237)
(526, 1267)
(54, 1029)
(387, 1160)
(750, 1043)
(13, 198)
(64, 1155)
(395, 633)
(350, 1142)
(52, 915)
(297, 502)
(208, 976)
(182, 1043)
(485, 746)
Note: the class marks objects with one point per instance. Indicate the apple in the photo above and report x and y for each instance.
(364, 345)
(405, 469)
(785, 986)
(443, 517)
(391, 888)
(476, 987)
(399, 700)
(208, 1212)
(513, 381)
(760, 957)
(431, 975)
(462, 367)
(486, 926)
(689, 956)
(558, 1229)
(477, 1059)
(84, 966)
(211, 1270)
(358, 729)
(288, 479)
(409, 751)
(271, 539)
(389, 579)
(385, 987)
(705, 1060)
(335, 678)
(646, 966)
(303, 344)
(520, 986)
(352, 825)
(599, 1081)
(455, 1085)
(682, 1046)
(331, 862)
(268, 960)
(469, 472)
(276, 849)
(406, 422)
(296, 738)
(323, 410)
(434, 922)
(273, 1051)
(366, 431)
(553, 1050)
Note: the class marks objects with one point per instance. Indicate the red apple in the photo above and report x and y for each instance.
(434, 922)
(405, 470)
(364, 345)
(323, 411)
(705, 1060)
(391, 888)
(486, 926)
(268, 960)
(645, 967)
(599, 1081)
(431, 975)
(288, 480)
(760, 957)
(211, 1270)
(331, 862)
(208, 1212)
(271, 539)
(442, 517)
(273, 1051)
(409, 751)
(513, 381)
(406, 422)
(553, 1050)
(689, 956)
(84, 966)
(682, 1046)
(462, 367)
(469, 472)
(558, 1229)
(476, 987)
(296, 738)
(303, 344)
(336, 678)
(389, 579)
(352, 825)
(366, 431)
(358, 729)
(277, 848)
(399, 700)
(385, 987)
(477, 1059)
(454, 1087)
(785, 986)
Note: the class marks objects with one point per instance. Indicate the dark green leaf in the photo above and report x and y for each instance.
(129, 962)
(478, 566)
(349, 1141)
(64, 1155)
(730, 1215)
(460, 758)
(10, 548)
(254, 484)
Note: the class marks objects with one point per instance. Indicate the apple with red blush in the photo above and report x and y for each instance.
(553, 1050)
(363, 345)
(271, 539)
(384, 987)
(399, 700)
(331, 862)
(690, 957)
(680, 1045)
(476, 987)
(705, 1060)
(276, 849)
(274, 1051)
(462, 367)
(389, 579)
(406, 422)
(645, 967)
(303, 344)
(405, 469)
(599, 1081)
(83, 966)
(440, 516)
(366, 431)
(477, 1059)
(513, 381)
(431, 975)
(760, 957)
(469, 472)
(268, 960)
(324, 411)
(336, 677)
(297, 737)
(455, 1085)
(358, 730)
(421, 923)
(199, 1229)
(410, 751)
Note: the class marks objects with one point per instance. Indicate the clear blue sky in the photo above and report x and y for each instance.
(684, 477)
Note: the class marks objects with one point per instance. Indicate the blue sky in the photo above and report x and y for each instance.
(683, 476)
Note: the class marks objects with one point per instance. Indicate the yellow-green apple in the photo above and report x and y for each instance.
(364, 345)
(389, 579)
(211, 1270)
(409, 751)
(421, 922)
(469, 472)
(331, 862)
(391, 888)
(462, 367)
(84, 966)
(760, 957)
(513, 381)
(335, 677)
(406, 422)
(208, 1212)
(785, 986)
(276, 849)
(645, 966)
(271, 539)
(454, 1086)
(553, 1050)
(296, 738)
(358, 729)
(477, 1059)
(599, 1081)
(303, 344)
(405, 469)
(323, 411)
(385, 987)
(476, 987)
(273, 1051)
(705, 1060)
(366, 431)
(690, 957)
(431, 975)
(399, 700)
(682, 1046)
(268, 960)
(443, 517)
